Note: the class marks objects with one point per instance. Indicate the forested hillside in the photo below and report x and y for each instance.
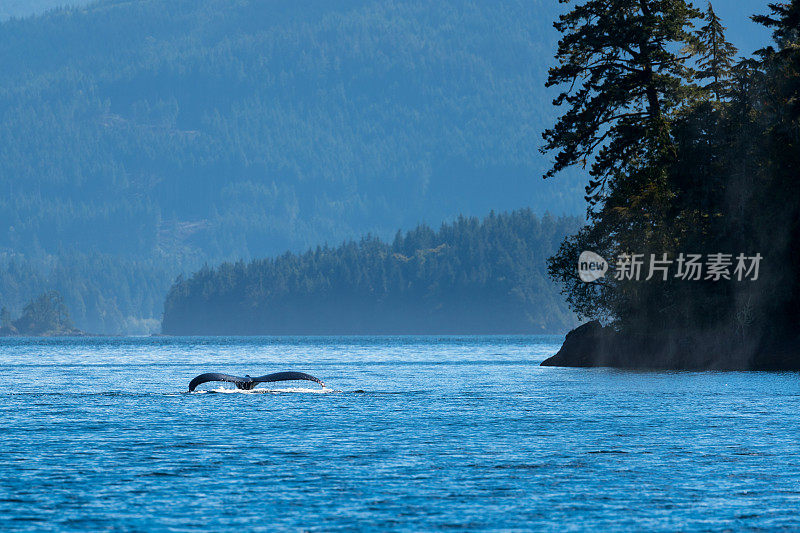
(239, 128)
(152, 136)
(172, 132)
(471, 276)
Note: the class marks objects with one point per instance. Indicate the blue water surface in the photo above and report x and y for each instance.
(449, 433)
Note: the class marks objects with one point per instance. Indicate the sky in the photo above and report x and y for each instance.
(742, 32)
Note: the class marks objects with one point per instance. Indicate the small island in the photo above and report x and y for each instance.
(44, 316)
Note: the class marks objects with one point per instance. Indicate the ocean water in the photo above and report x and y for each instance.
(448, 433)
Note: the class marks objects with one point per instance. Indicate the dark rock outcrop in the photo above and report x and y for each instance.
(588, 345)
(593, 344)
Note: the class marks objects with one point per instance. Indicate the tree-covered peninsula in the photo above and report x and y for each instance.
(691, 152)
(471, 276)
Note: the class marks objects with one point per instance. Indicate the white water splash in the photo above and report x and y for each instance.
(304, 390)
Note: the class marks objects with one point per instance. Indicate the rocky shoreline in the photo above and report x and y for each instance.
(595, 345)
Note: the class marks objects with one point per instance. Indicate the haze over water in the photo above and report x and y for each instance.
(464, 432)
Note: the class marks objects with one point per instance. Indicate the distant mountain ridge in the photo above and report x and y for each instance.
(270, 125)
(156, 135)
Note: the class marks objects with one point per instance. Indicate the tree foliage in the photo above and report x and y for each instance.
(715, 56)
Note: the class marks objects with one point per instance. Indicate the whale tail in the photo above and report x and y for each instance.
(248, 383)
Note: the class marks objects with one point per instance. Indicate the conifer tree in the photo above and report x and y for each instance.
(715, 55)
(625, 82)
(622, 79)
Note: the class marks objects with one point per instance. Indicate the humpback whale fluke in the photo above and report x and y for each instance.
(247, 383)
